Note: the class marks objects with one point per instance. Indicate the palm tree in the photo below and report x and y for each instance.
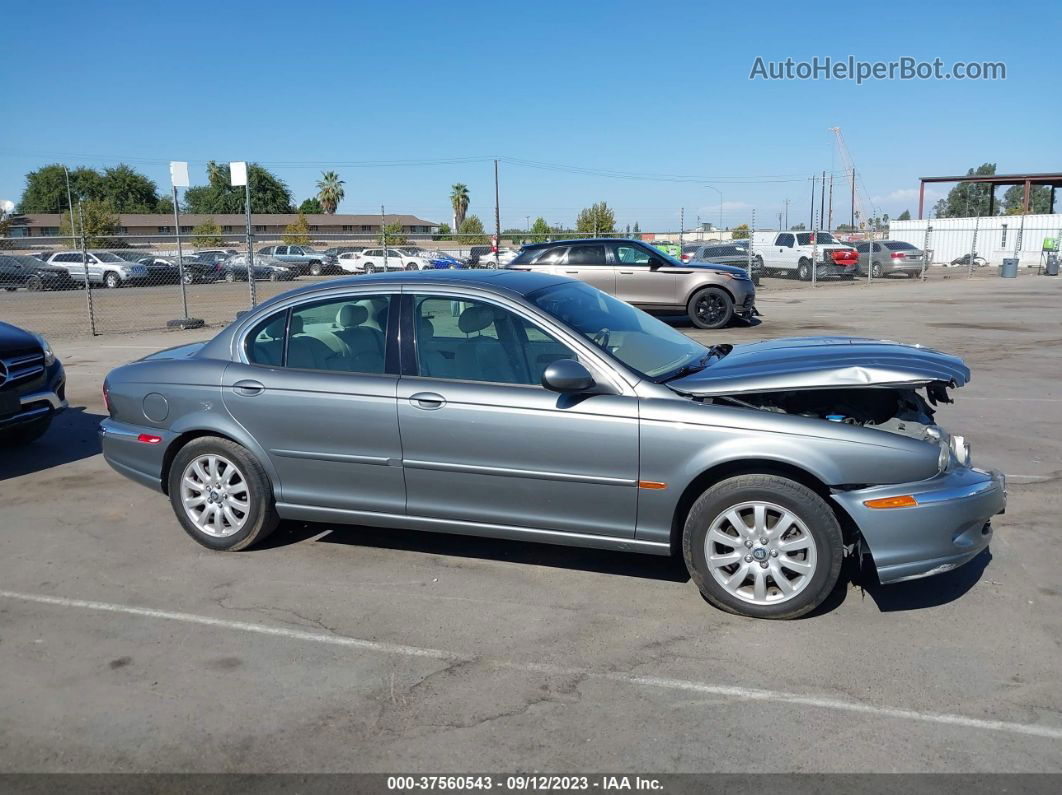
(459, 201)
(330, 191)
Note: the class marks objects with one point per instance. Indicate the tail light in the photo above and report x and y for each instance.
(898, 255)
(107, 398)
(685, 257)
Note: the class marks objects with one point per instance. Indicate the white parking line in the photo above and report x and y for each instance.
(701, 688)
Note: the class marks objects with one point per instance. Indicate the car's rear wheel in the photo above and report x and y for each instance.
(710, 308)
(370, 268)
(10, 289)
(411, 266)
(230, 277)
(189, 277)
(763, 546)
(804, 270)
(274, 276)
(221, 494)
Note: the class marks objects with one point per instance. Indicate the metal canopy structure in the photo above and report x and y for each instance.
(1054, 180)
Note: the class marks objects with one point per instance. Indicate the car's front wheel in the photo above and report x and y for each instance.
(315, 268)
(763, 546)
(112, 280)
(221, 494)
(710, 308)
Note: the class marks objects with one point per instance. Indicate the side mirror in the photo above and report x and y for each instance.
(567, 375)
(655, 263)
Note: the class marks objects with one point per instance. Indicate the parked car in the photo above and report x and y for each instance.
(499, 259)
(32, 385)
(669, 248)
(735, 254)
(889, 256)
(234, 269)
(214, 255)
(964, 261)
(441, 259)
(791, 254)
(103, 268)
(130, 254)
(372, 260)
(303, 259)
(31, 273)
(710, 295)
(532, 407)
(162, 270)
(335, 251)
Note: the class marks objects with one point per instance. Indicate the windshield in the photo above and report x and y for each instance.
(804, 238)
(640, 341)
(106, 256)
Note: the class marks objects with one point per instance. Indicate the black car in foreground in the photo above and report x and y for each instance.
(34, 275)
(32, 385)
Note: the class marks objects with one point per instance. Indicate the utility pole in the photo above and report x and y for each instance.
(829, 221)
(787, 213)
(497, 214)
(822, 199)
(779, 220)
(811, 221)
(383, 235)
(682, 225)
(84, 260)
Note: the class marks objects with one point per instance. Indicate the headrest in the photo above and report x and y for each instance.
(381, 316)
(425, 329)
(296, 324)
(351, 315)
(475, 318)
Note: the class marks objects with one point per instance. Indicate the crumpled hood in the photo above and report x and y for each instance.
(823, 363)
(716, 266)
(186, 351)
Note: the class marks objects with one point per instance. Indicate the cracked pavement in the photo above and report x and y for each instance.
(534, 632)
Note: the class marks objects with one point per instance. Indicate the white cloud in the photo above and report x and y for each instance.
(905, 194)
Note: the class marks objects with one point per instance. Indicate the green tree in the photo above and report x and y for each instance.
(207, 234)
(597, 219)
(128, 191)
(165, 205)
(636, 232)
(459, 201)
(741, 232)
(330, 191)
(269, 193)
(444, 233)
(391, 235)
(471, 231)
(1039, 200)
(100, 223)
(45, 190)
(967, 199)
(297, 233)
(904, 216)
(797, 228)
(312, 206)
(540, 230)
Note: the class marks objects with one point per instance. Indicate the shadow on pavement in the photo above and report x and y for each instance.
(928, 592)
(593, 560)
(72, 437)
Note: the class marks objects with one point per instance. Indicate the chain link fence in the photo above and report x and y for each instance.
(70, 287)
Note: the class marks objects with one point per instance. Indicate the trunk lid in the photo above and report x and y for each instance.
(797, 363)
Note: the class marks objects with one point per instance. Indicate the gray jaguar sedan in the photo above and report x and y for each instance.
(532, 407)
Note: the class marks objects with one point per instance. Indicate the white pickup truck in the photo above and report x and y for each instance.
(791, 253)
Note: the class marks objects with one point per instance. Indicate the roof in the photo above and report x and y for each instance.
(582, 240)
(235, 219)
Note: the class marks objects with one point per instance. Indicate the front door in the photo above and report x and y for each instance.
(319, 399)
(643, 277)
(483, 441)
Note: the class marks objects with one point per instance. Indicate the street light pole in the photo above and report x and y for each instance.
(720, 203)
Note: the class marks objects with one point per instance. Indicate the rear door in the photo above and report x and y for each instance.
(643, 277)
(588, 262)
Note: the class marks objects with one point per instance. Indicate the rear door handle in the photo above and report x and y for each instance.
(248, 388)
(428, 401)
(571, 271)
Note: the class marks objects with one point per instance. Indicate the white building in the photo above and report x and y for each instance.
(999, 236)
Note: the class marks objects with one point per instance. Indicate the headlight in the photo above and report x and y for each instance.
(49, 355)
(944, 459)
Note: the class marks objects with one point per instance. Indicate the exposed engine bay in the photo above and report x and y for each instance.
(899, 410)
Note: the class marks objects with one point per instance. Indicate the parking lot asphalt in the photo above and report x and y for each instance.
(124, 646)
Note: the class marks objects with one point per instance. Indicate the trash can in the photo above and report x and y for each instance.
(1052, 265)
(1009, 268)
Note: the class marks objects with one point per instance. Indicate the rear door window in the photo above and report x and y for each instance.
(587, 255)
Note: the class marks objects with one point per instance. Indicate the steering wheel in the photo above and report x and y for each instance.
(601, 339)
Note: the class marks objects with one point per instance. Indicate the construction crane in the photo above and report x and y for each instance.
(859, 217)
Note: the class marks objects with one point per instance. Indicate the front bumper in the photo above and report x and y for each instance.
(948, 527)
(46, 399)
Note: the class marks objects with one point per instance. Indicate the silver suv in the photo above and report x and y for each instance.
(648, 278)
(104, 268)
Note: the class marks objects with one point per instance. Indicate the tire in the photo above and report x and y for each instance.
(34, 284)
(111, 280)
(411, 266)
(803, 271)
(257, 517)
(11, 289)
(711, 307)
(274, 276)
(189, 277)
(315, 269)
(230, 277)
(370, 268)
(25, 434)
(875, 270)
(814, 567)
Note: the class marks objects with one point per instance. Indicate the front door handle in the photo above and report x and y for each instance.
(248, 388)
(626, 273)
(427, 401)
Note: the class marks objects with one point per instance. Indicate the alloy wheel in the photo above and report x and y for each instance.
(214, 495)
(710, 307)
(760, 552)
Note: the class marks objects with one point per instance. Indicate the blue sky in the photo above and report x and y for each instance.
(633, 87)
